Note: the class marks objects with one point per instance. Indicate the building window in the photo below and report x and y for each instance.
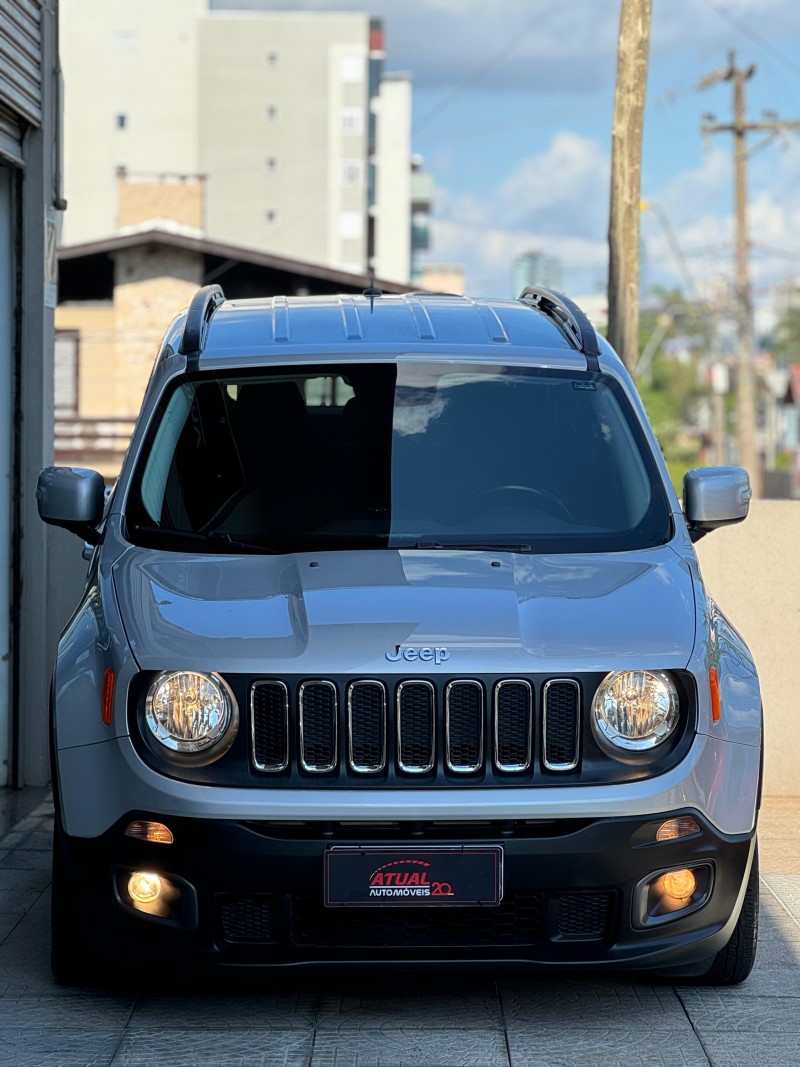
(352, 121)
(351, 225)
(122, 122)
(352, 173)
(66, 373)
(352, 68)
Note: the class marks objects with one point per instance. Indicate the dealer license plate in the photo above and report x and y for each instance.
(364, 876)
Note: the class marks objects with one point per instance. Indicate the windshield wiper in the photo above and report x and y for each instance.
(477, 546)
(213, 537)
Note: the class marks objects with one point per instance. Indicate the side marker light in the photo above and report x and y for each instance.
(145, 830)
(107, 700)
(716, 699)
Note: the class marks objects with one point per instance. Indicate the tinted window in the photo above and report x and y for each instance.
(398, 456)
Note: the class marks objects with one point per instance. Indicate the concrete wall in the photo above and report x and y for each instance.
(393, 208)
(130, 72)
(753, 572)
(180, 200)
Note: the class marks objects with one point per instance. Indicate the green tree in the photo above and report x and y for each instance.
(785, 338)
(671, 390)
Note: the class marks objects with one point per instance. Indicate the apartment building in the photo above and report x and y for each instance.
(303, 143)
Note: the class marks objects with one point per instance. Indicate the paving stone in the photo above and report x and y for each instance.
(461, 1007)
(777, 953)
(8, 922)
(609, 1048)
(82, 1011)
(28, 859)
(41, 840)
(773, 982)
(711, 1012)
(192, 1048)
(51, 1047)
(621, 1007)
(410, 1048)
(752, 1050)
(21, 887)
(273, 1012)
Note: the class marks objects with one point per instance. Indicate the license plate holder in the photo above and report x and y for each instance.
(417, 876)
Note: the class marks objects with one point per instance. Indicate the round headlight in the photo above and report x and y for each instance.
(635, 710)
(192, 713)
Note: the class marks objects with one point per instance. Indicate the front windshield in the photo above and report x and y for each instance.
(405, 455)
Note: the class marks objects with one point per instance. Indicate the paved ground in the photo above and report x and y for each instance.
(449, 1022)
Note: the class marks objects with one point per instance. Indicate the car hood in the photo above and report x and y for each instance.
(348, 612)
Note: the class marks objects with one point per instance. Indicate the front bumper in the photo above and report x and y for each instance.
(251, 895)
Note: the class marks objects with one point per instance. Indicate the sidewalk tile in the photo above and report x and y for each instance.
(210, 1048)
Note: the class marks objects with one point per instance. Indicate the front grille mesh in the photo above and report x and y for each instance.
(464, 717)
(513, 725)
(561, 719)
(269, 703)
(318, 723)
(456, 727)
(366, 705)
(416, 723)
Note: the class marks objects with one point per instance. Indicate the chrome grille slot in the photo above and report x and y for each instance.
(366, 726)
(269, 726)
(416, 726)
(513, 725)
(463, 704)
(561, 723)
(318, 710)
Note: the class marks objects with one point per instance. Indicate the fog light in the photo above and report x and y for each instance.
(671, 894)
(150, 831)
(672, 829)
(144, 887)
(680, 885)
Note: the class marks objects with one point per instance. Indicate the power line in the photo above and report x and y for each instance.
(754, 36)
(480, 71)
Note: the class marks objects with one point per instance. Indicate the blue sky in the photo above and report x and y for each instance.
(512, 112)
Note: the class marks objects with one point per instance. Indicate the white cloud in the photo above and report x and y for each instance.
(555, 201)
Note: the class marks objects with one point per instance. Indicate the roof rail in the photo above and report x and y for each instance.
(566, 314)
(198, 318)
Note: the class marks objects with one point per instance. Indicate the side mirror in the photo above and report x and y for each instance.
(73, 498)
(713, 497)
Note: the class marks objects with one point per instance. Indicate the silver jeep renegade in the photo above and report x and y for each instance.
(394, 648)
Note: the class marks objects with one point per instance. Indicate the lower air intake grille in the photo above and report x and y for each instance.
(246, 920)
(561, 724)
(583, 916)
(517, 921)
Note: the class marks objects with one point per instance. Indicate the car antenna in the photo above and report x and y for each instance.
(372, 291)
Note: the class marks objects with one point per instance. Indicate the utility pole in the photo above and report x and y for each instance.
(626, 179)
(746, 389)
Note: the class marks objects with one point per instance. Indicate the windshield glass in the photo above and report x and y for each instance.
(411, 454)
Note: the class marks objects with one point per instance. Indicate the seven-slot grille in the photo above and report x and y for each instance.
(461, 725)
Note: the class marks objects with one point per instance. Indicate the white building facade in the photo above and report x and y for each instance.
(285, 114)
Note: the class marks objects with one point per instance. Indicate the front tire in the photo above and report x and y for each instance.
(71, 960)
(733, 964)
